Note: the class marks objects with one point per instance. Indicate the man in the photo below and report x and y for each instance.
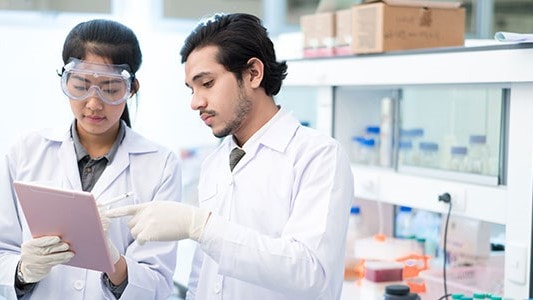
(274, 225)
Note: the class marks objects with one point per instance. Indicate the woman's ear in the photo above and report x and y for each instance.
(135, 85)
(255, 71)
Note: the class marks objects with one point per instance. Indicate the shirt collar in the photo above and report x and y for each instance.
(275, 134)
(81, 152)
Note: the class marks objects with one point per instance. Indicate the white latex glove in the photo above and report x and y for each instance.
(39, 255)
(163, 220)
(106, 221)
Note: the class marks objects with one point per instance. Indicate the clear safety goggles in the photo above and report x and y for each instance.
(81, 80)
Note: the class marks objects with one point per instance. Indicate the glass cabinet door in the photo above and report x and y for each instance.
(455, 130)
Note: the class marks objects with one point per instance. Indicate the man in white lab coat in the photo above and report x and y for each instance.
(272, 226)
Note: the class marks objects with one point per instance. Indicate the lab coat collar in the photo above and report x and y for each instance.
(275, 134)
(133, 143)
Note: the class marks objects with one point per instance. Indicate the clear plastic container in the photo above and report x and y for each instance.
(478, 154)
(429, 154)
(459, 159)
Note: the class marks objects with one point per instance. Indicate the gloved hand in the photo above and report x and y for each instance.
(106, 222)
(163, 220)
(39, 255)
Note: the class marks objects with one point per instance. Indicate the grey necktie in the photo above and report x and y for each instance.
(234, 157)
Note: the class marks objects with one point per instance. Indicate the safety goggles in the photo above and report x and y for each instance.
(81, 80)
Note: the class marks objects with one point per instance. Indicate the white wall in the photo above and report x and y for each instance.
(32, 97)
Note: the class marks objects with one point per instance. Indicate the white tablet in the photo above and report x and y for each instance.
(71, 215)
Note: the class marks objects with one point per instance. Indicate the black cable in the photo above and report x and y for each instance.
(446, 198)
(445, 296)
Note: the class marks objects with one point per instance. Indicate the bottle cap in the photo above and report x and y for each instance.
(406, 208)
(355, 210)
(372, 129)
(458, 150)
(429, 146)
(478, 139)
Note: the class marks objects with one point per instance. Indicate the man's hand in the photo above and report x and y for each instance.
(163, 220)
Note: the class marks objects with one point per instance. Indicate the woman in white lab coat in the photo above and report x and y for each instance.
(98, 153)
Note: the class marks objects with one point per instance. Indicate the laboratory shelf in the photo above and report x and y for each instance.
(506, 200)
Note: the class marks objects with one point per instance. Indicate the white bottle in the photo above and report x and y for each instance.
(478, 154)
(356, 230)
(403, 225)
(458, 159)
(429, 154)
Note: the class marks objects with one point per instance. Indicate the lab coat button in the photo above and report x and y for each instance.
(217, 288)
(79, 284)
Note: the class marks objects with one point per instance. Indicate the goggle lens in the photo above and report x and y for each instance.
(81, 83)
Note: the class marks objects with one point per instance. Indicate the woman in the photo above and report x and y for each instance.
(98, 153)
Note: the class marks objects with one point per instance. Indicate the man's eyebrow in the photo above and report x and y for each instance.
(198, 77)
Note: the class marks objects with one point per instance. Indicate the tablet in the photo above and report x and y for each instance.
(71, 215)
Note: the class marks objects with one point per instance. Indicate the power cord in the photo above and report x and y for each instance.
(446, 198)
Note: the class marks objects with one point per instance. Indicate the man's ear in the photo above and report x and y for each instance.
(255, 71)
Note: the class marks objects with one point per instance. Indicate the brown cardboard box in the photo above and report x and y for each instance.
(389, 25)
(343, 32)
(319, 34)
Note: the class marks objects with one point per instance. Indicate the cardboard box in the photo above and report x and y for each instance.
(343, 32)
(319, 34)
(389, 25)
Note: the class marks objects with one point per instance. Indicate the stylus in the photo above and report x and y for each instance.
(116, 199)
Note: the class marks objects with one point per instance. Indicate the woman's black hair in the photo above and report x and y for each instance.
(238, 38)
(109, 39)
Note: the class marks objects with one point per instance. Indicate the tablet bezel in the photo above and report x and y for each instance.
(71, 215)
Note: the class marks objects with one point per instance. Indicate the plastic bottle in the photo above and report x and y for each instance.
(369, 154)
(404, 217)
(478, 154)
(429, 154)
(356, 149)
(414, 135)
(458, 159)
(426, 225)
(356, 230)
(405, 153)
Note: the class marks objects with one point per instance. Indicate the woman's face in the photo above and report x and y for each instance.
(95, 118)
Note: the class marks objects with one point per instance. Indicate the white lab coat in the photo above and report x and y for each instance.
(280, 219)
(148, 170)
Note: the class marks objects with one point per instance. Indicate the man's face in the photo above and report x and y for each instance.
(218, 96)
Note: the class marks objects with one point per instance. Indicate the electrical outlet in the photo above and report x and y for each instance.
(458, 199)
